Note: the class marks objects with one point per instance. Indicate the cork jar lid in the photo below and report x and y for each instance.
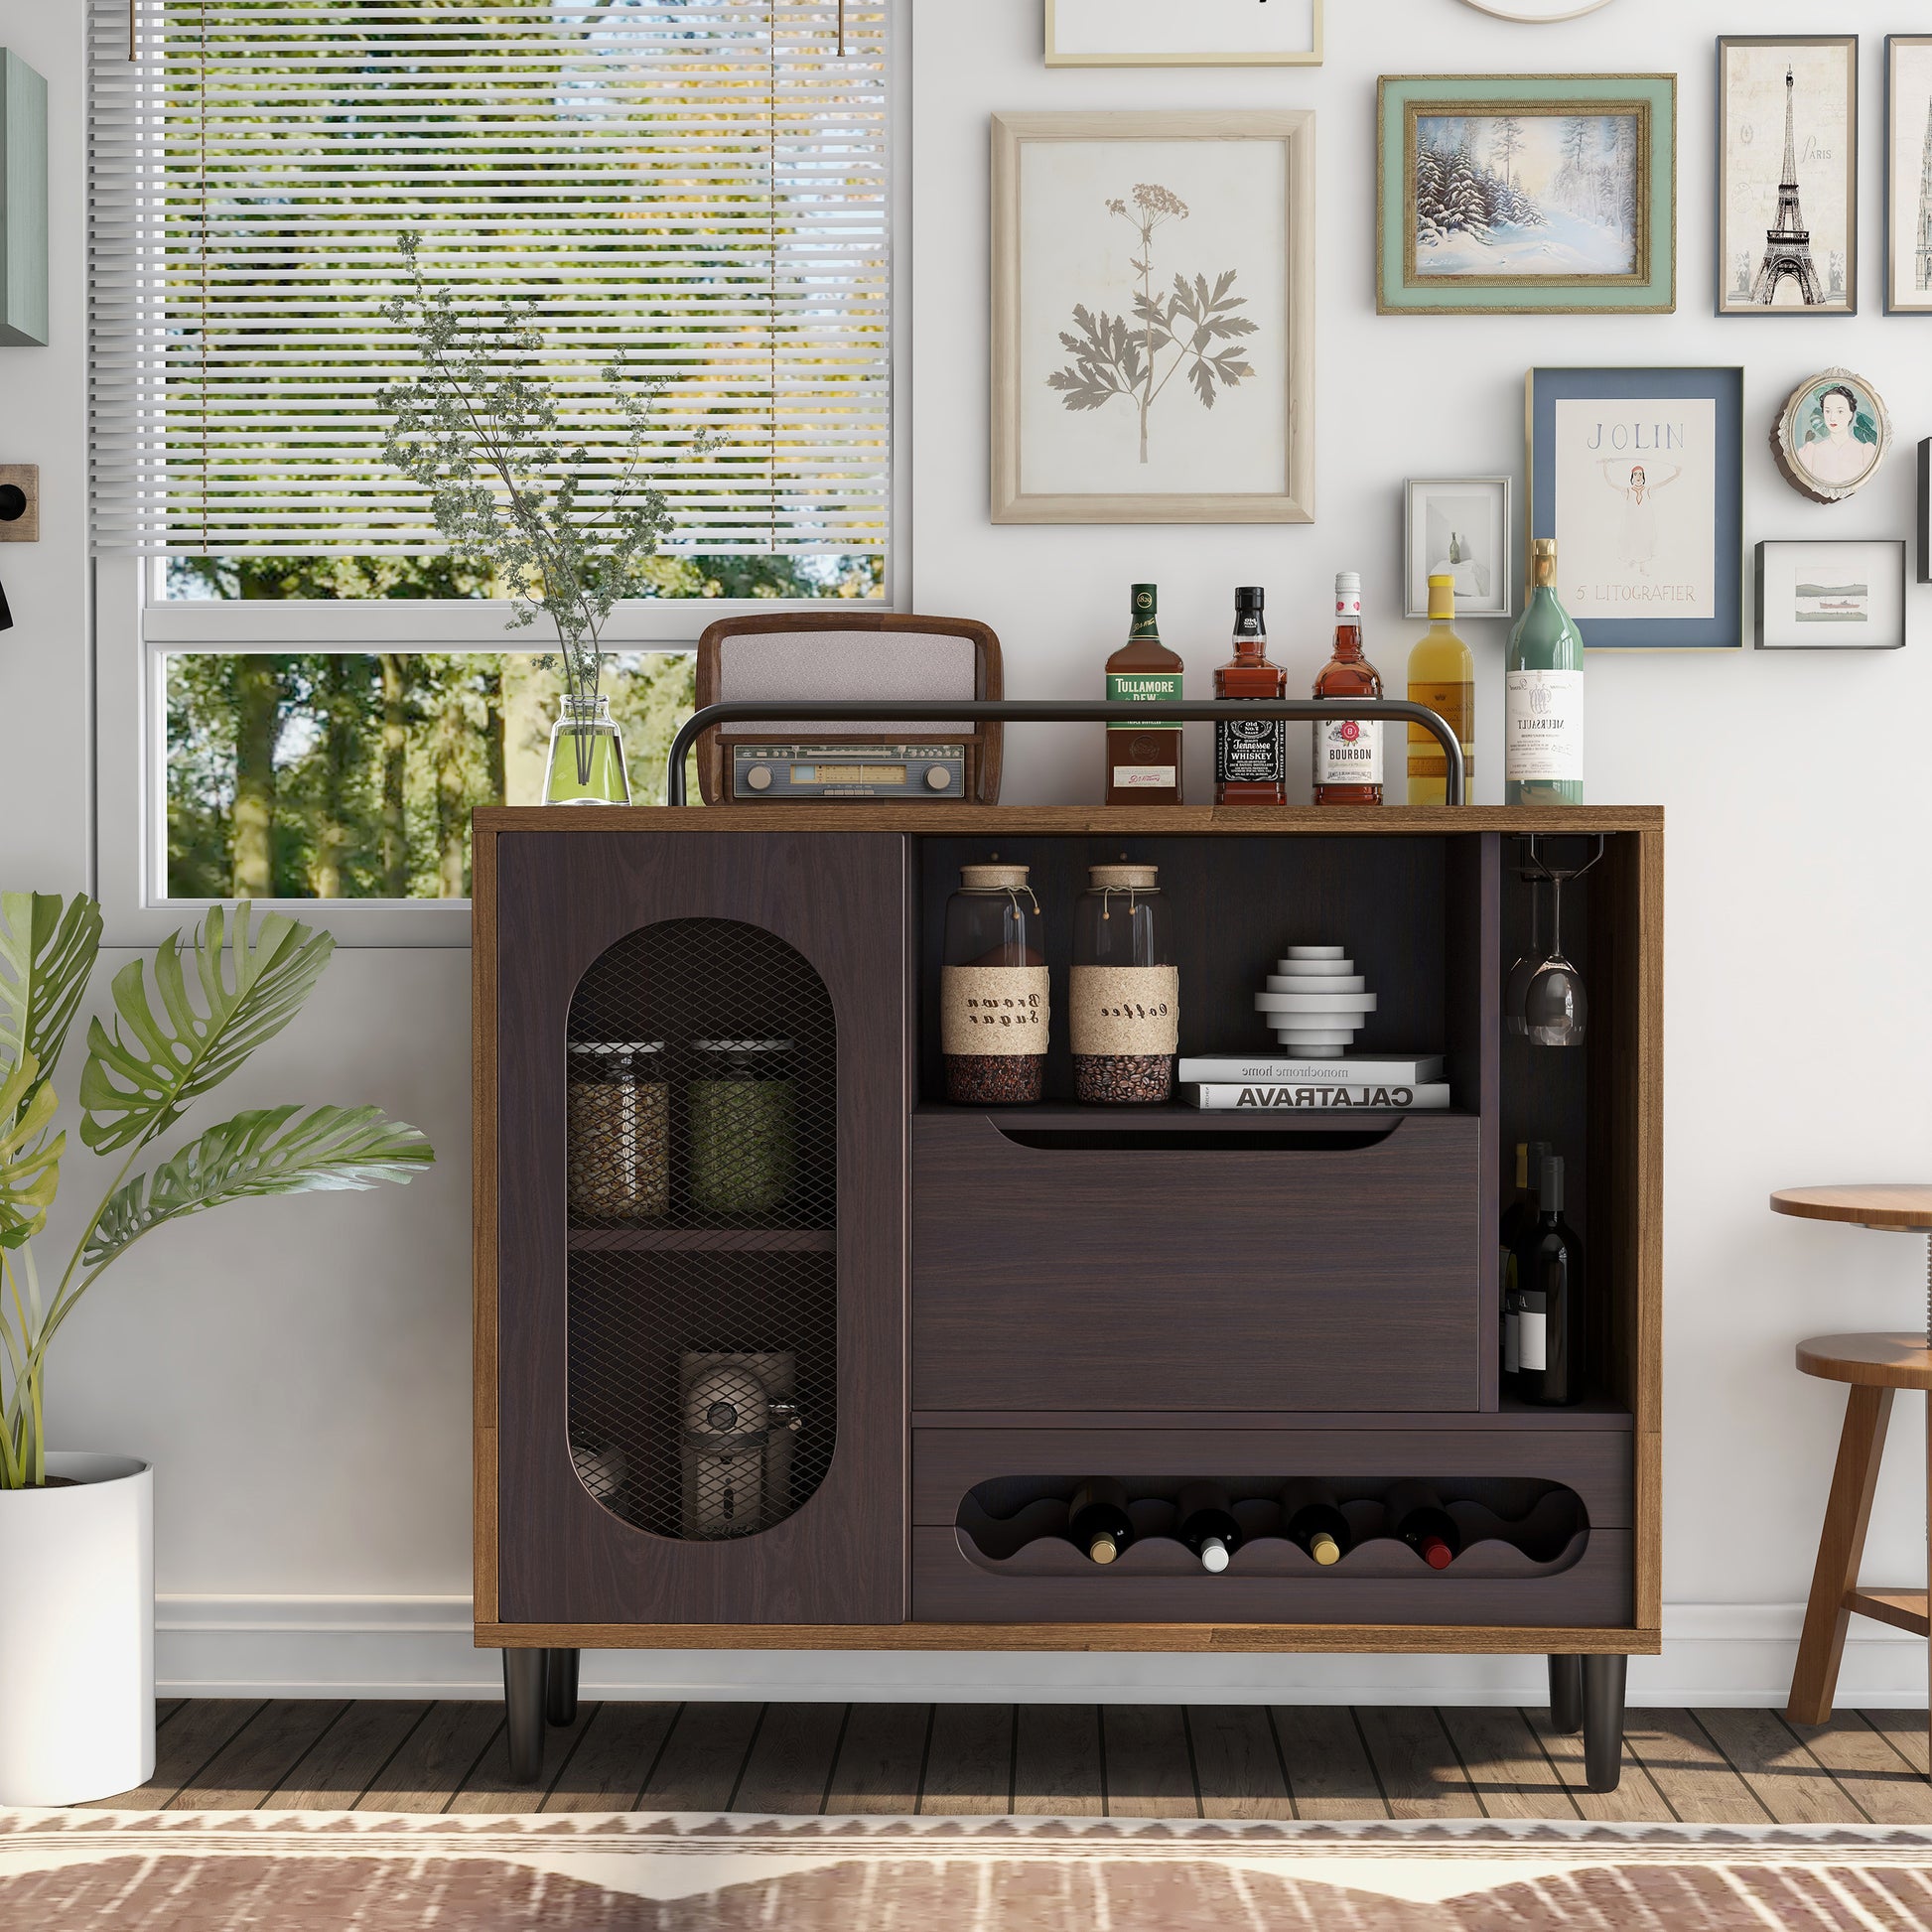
(993, 879)
(1123, 879)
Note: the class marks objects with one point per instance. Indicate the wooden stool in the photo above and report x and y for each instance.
(1875, 1367)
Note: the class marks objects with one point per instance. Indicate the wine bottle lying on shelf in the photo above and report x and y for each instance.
(1312, 1517)
(1419, 1520)
(1097, 1521)
(1207, 1525)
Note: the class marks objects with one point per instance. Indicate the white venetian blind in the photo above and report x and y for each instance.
(700, 185)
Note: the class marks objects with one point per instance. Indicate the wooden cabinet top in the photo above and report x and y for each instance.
(1078, 821)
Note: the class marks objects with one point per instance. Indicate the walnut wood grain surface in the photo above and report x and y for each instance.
(1872, 1361)
(1902, 1205)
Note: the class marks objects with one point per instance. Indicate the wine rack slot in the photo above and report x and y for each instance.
(1508, 1527)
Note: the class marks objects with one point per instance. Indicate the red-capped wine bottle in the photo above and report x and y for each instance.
(1097, 1522)
(1417, 1517)
(1312, 1517)
(1207, 1525)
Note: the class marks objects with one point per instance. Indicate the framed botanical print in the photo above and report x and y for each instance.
(1152, 318)
(1788, 175)
(1461, 527)
(1908, 175)
(1527, 194)
(1184, 32)
(1639, 476)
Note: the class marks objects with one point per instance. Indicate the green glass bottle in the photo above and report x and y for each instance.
(1543, 683)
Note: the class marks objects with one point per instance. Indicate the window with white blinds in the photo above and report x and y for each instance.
(699, 186)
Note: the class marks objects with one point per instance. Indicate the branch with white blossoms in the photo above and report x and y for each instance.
(480, 431)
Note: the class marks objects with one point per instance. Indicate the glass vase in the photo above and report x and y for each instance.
(586, 764)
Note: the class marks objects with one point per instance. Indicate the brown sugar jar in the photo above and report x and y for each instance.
(993, 1011)
(1126, 995)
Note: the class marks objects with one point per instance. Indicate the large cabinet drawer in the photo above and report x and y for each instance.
(1333, 1271)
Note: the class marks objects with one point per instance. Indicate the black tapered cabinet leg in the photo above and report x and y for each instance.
(1567, 1693)
(1603, 1682)
(523, 1675)
(560, 1685)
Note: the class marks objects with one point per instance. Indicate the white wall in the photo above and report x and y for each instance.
(298, 1370)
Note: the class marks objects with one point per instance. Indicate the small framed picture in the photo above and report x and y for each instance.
(1788, 175)
(1171, 34)
(1460, 526)
(1832, 435)
(1822, 596)
(1908, 175)
(1526, 194)
(1153, 317)
(1639, 476)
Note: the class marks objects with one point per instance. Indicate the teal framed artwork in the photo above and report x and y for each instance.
(1525, 193)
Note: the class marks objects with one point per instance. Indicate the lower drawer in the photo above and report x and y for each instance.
(1591, 1583)
(951, 1587)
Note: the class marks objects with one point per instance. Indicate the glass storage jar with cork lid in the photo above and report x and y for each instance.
(993, 990)
(618, 1165)
(1126, 1027)
(742, 1134)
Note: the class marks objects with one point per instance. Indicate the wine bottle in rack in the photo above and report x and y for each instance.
(1097, 1521)
(1416, 1516)
(1207, 1525)
(1312, 1517)
(1549, 1279)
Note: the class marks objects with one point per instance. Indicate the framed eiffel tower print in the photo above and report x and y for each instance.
(1908, 175)
(1788, 175)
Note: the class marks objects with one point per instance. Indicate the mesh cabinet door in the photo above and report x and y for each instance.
(701, 1061)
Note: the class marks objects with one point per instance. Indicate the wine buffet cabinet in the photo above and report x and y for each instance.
(776, 1349)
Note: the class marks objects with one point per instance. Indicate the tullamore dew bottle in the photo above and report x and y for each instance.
(1543, 684)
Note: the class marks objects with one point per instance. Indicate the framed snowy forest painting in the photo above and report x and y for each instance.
(1527, 194)
(1153, 318)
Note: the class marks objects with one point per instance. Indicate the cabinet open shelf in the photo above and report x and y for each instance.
(787, 1241)
(1067, 1117)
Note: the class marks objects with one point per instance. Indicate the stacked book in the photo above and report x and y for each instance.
(1234, 1084)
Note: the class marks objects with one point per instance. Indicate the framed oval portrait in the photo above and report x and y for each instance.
(1832, 436)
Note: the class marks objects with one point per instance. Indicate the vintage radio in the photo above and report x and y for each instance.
(846, 654)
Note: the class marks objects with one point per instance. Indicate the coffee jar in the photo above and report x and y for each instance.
(619, 1163)
(994, 1013)
(1126, 991)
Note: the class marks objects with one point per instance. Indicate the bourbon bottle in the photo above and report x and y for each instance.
(1250, 756)
(1143, 761)
(1348, 751)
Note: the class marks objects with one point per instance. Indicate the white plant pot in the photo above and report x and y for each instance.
(77, 1633)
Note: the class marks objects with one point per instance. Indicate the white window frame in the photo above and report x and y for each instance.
(133, 631)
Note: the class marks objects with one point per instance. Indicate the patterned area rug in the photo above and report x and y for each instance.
(223, 1872)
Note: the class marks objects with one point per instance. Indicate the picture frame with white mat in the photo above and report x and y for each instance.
(1196, 34)
(1829, 595)
(1465, 527)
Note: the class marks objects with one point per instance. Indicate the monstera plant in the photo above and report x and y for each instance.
(76, 1528)
(182, 1024)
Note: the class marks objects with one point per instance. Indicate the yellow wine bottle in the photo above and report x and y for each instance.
(1442, 675)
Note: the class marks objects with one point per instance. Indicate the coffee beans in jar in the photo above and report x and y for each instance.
(618, 1167)
(995, 1009)
(1126, 1020)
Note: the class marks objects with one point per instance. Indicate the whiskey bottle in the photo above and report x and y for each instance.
(1443, 676)
(1097, 1521)
(1348, 751)
(1543, 685)
(1207, 1525)
(1144, 762)
(1250, 757)
(1550, 1280)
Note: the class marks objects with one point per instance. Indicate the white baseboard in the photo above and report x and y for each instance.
(420, 1647)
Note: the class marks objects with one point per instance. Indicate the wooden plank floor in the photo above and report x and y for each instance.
(1711, 1767)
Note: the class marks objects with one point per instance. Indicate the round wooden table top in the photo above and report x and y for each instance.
(1876, 1361)
(1899, 1204)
